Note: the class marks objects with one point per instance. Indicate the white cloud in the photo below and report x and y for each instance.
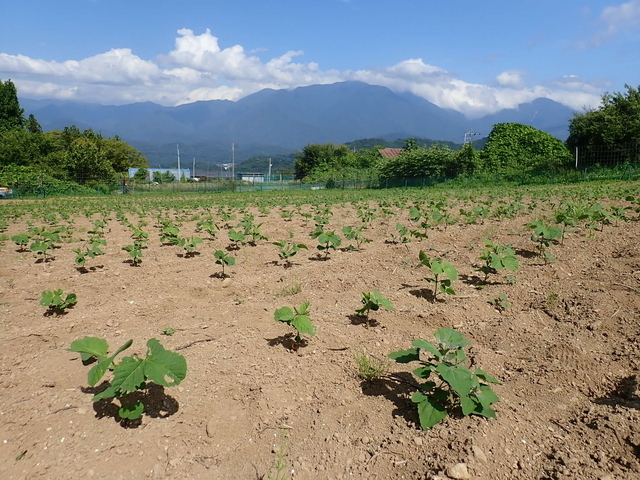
(199, 69)
(511, 79)
(615, 20)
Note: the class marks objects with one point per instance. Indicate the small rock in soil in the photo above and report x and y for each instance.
(458, 471)
(479, 454)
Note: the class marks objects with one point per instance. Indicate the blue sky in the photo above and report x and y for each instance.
(474, 57)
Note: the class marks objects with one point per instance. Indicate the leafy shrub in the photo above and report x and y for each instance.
(419, 162)
(514, 149)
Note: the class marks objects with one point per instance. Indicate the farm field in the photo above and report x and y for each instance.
(565, 346)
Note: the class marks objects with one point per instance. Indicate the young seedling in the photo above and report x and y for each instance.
(403, 233)
(501, 302)
(287, 215)
(355, 234)
(57, 301)
(328, 241)
(288, 249)
(169, 235)
(44, 243)
(132, 374)
(168, 331)
(439, 268)
(223, 259)
(497, 257)
(237, 237)
(92, 250)
(208, 226)
(372, 301)
(298, 318)
(544, 235)
(21, 240)
(189, 245)
(454, 388)
(135, 252)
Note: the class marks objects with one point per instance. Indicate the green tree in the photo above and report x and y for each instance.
(163, 177)
(513, 148)
(319, 157)
(121, 155)
(467, 161)
(11, 115)
(141, 175)
(32, 125)
(615, 122)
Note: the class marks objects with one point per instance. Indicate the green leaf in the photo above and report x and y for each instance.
(109, 392)
(487, 395)
(47, 298)
(405, 356)
(450, 271)
(429, 411)
(91, 346)
(99, 369)
(284, 314)
(511, 263)
(486, 377)
(458, 377)
(427, 346)
(423, 372)
(450, 338)
(163, 364)
(128, 375)
(460, 355)
(131, 413)
(303, 324)
(468, 404)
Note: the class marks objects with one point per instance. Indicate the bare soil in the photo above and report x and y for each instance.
(566, 351)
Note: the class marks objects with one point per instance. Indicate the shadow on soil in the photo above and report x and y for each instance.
(476, 281)
(625, 394)
(397, 388)
(527, 253)
(426, 293)
(362, 320)
(287, 341)
(157, 404)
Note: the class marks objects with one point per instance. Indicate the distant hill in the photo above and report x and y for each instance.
(277, 122)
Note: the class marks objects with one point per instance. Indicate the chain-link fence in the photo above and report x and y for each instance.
(42, 186)
(607, 155)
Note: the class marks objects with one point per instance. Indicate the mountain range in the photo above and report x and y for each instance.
(278, 122)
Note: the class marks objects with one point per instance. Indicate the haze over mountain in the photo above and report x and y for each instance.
(272, 122)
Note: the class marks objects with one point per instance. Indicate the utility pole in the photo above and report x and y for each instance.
(193, 172)
(233, 161)
(179, 173)
(269, 176)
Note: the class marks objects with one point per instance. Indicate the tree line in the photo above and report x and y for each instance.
(511, 149)
(27, 154)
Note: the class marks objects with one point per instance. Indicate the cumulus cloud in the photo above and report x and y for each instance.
(615, 20)
(198, 68)
(511, 79)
